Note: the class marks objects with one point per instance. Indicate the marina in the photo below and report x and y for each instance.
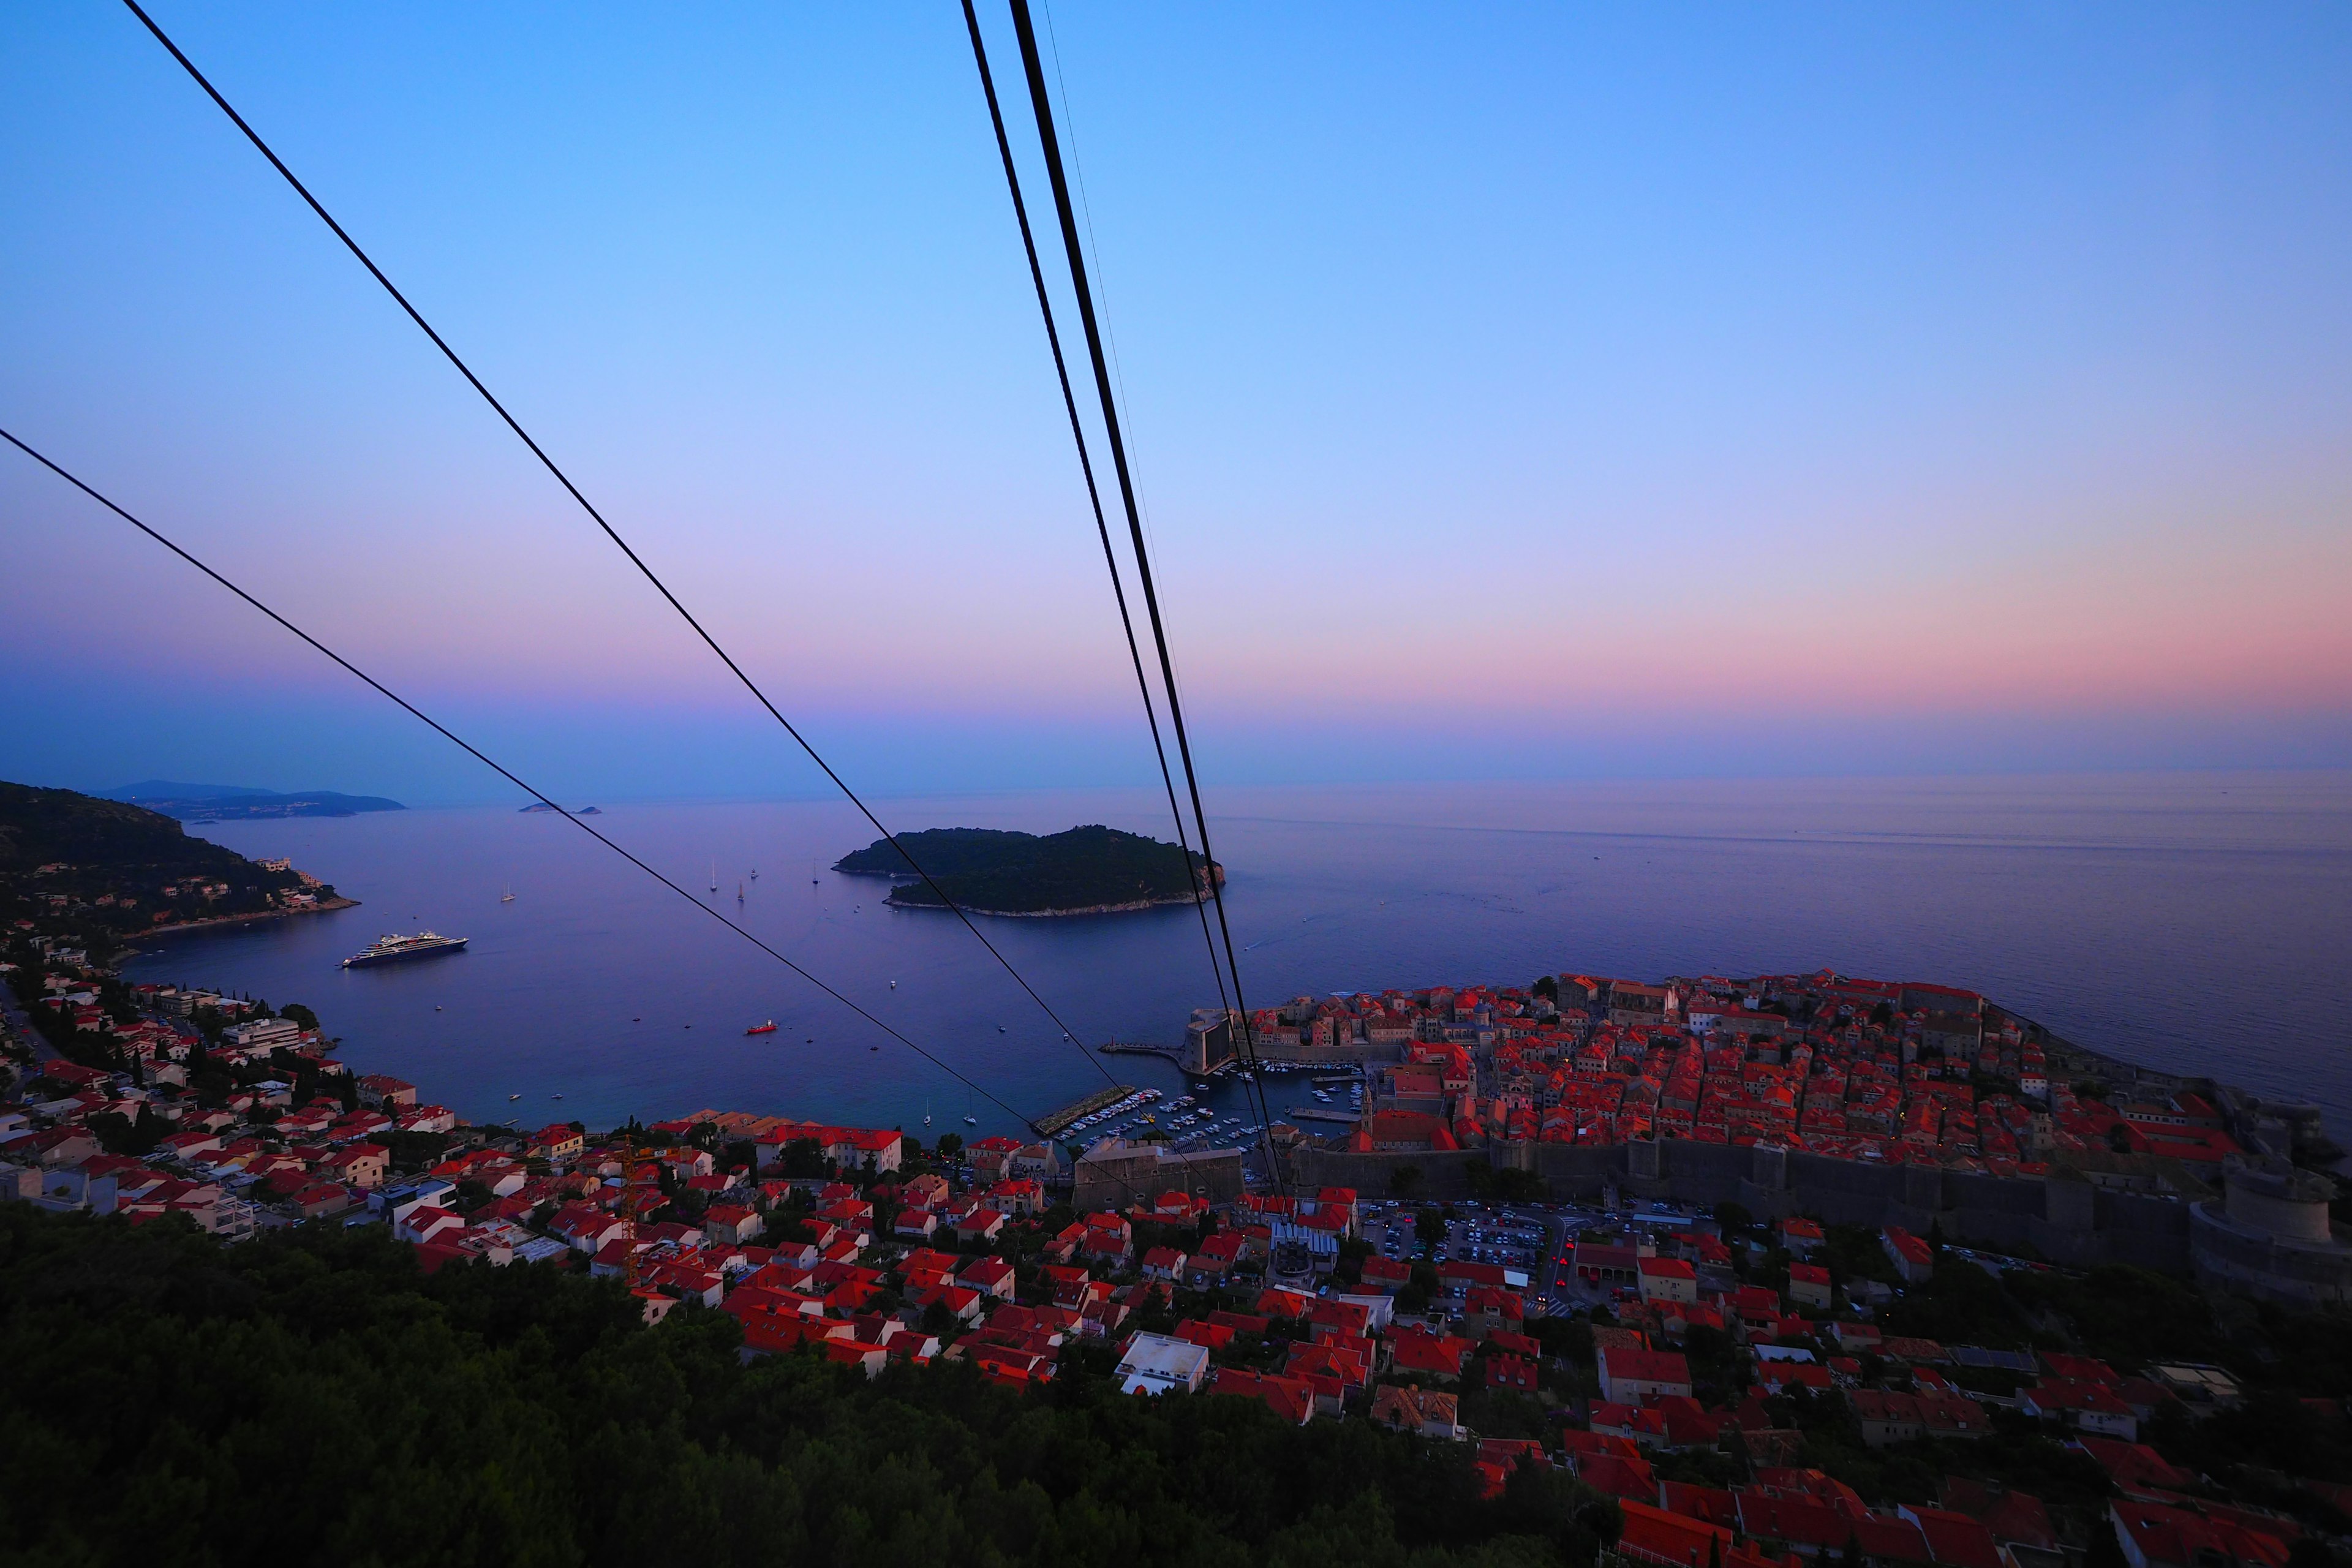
(1088, 1111)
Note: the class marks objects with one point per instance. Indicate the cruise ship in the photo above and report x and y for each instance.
(394, 949)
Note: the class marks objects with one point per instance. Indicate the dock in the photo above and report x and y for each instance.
(1138, 1048)
(1304, 1113)
(1054, 1121)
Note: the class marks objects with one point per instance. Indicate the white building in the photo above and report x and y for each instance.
(1155, 1363)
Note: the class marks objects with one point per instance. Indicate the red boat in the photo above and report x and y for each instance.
(767, 1029)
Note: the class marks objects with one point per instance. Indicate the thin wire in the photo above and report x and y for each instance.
(1044, 113)
(503, 773)
(1094, 495)
(486, 761)
(1101, 274)
(610, 532)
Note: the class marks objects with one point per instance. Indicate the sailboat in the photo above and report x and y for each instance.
(739, 892)
(714, 875)
(927, 1113)
(507, 897)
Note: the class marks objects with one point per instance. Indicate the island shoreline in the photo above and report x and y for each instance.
(1036, 914)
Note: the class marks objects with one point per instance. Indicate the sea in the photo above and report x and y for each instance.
(2194, 922)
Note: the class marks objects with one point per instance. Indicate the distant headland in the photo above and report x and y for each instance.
(101, 874)
(1086, 870)
(234, 803)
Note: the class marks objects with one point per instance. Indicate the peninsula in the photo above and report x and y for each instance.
(1086, 870)
(232, 803)
(103, 873)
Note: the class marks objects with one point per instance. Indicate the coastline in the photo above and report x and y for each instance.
(324, 906)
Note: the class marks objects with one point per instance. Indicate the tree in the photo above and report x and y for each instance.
(950, 1145)
(1429, 1228)
(2105, 1551)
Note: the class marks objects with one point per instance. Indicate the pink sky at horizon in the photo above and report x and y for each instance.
(1981, 371)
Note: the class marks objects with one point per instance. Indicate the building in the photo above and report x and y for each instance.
(1801, 1235)
(2154, 1536)
(1114, 1171)
(1157, 1363)
(1410, 1408)
(1668, 1279)
(1809, 1285)
(2271, 1236)
(1911, 1257)
(1633, 1376)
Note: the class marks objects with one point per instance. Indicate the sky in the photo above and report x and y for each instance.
(1514, 392)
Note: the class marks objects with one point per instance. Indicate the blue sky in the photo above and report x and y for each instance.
(1513, 392)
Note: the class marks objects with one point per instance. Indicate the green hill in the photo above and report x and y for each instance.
(995, 872)
(311, 1397)
(78, 865)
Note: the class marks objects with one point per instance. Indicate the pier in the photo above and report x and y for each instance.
(1303, 1113)
(1137, 1048)
(1054, 1122)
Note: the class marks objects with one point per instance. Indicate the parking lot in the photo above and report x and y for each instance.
(1536, 1240)
(1519, 1240)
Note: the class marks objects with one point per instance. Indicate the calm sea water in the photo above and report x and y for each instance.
(2194, 922)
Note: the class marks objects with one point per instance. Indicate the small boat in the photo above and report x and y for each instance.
(767, 1029)
(971, 1122)
(894, 985)
(1000, 1028)
(555, 1097)
(514, 1096)
(755, 873)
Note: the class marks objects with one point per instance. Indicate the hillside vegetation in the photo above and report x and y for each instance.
(98, 867)
(311, 1397)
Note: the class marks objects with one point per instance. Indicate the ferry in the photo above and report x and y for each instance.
(767, 1029)
(394, 949)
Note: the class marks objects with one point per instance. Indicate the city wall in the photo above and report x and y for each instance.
(2064, 1218)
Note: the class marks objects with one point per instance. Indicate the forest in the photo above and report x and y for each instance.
(310, 1397)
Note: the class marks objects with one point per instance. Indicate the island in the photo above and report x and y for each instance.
(234, 802)
(102, 872)
(1089, 870)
